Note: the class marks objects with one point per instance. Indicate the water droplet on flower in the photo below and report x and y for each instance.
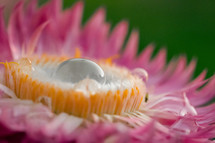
(26, 64)
(185, 126)
(141, 73)
(75, 70)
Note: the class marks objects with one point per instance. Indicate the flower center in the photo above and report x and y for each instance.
(76, 70)
(76, 86)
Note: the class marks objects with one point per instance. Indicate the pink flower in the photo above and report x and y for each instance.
(170, 106)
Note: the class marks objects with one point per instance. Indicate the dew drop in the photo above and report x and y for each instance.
(141, 73)
(75, 70)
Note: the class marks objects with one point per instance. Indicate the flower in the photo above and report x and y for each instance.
(173, 107)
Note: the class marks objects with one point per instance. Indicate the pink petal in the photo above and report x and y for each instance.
(5, 53)
(69, 33)
(16, 34)
(158, 63)
(117, 38)
(91, 29)
(129, 55)
(145, 56)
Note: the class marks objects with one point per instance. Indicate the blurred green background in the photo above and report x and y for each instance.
(182, 26)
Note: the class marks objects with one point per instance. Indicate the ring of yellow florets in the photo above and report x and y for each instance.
(78, 99)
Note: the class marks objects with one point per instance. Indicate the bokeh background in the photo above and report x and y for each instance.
(182, 26)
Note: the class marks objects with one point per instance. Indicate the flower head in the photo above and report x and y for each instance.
(140, 99)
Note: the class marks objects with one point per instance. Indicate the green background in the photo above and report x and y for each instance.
(182, 26)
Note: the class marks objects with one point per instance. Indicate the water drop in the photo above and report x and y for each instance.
(75, 70)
